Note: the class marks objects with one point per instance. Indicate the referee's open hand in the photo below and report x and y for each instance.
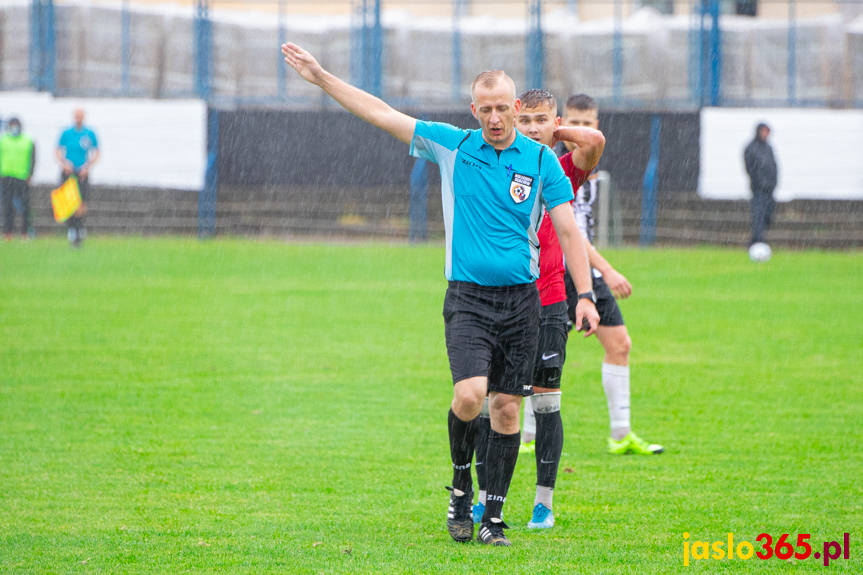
(303, 62)
(586, 317)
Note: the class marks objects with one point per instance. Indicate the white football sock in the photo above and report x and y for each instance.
(615, 381)
(482, 495)
(544, 495)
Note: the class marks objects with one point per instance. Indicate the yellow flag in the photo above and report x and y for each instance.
(66, 200)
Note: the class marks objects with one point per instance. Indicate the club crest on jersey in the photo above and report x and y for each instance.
(519, 187)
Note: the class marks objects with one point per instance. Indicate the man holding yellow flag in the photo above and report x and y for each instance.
(17, 162)
(77, 151)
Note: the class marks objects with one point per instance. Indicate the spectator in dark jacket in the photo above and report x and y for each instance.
(762, 170)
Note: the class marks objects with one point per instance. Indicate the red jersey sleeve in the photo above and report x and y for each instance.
(576, 175)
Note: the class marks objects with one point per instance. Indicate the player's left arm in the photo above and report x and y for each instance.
(574, 250)
(616, 281)
(589, 145)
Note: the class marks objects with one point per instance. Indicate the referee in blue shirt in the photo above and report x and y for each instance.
(495, 186)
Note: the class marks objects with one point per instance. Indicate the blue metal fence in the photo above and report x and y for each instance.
(203, 49)
(647, 234)
(42, 52)
(371, 49)
(535, 57)
(367, 46)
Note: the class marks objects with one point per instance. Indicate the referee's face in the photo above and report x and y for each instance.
(496, 108)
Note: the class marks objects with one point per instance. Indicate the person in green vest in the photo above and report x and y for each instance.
(17, 162)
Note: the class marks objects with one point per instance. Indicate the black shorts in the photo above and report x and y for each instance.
(609, 312)
(492, 332)
(83, 185)
(551, 352)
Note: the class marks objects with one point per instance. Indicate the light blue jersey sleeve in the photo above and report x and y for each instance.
(556, 187)
(432, 139)
(93, 139)
(64, 139)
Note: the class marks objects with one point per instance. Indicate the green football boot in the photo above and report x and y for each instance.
(633, 445)
(528, 447)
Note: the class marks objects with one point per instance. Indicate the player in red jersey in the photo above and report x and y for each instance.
(539, 121)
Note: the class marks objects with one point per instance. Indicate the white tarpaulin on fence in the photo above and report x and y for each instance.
(152, 143)
(660, 54)
(819, 152)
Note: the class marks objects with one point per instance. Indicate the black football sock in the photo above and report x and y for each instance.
(549, 446)
(461, 440)
(500, 461)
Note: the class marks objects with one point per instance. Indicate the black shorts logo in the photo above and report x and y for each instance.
(519, 187)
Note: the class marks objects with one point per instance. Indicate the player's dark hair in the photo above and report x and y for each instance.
(581, 102)
(536, 98)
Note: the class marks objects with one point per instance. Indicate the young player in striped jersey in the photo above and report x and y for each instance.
(582, 111)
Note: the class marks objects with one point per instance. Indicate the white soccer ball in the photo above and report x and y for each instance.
(760, 252)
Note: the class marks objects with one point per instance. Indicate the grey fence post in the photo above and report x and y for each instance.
(208, 195)
(604, 233)
(792, 52)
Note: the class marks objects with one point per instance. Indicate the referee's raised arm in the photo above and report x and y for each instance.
(361, 104)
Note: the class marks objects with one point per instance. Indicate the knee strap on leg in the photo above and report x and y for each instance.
(546, 402)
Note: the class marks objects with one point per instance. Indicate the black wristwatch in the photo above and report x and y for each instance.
(588, 295)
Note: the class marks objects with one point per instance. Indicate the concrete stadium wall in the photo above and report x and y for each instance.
(683, 219)
(113, 210)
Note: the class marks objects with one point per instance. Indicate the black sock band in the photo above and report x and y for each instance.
(500, 461)
(461, 440)
(549, 446)
(483, 427)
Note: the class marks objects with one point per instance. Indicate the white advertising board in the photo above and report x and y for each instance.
(151, 143)
(819, 152)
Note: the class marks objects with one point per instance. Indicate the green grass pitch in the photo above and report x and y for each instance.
(233, 406)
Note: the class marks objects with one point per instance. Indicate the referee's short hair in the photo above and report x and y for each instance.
(490, 79)
(536, 98)
(581, 102)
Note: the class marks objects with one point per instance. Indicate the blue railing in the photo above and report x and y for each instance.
(42, 50)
